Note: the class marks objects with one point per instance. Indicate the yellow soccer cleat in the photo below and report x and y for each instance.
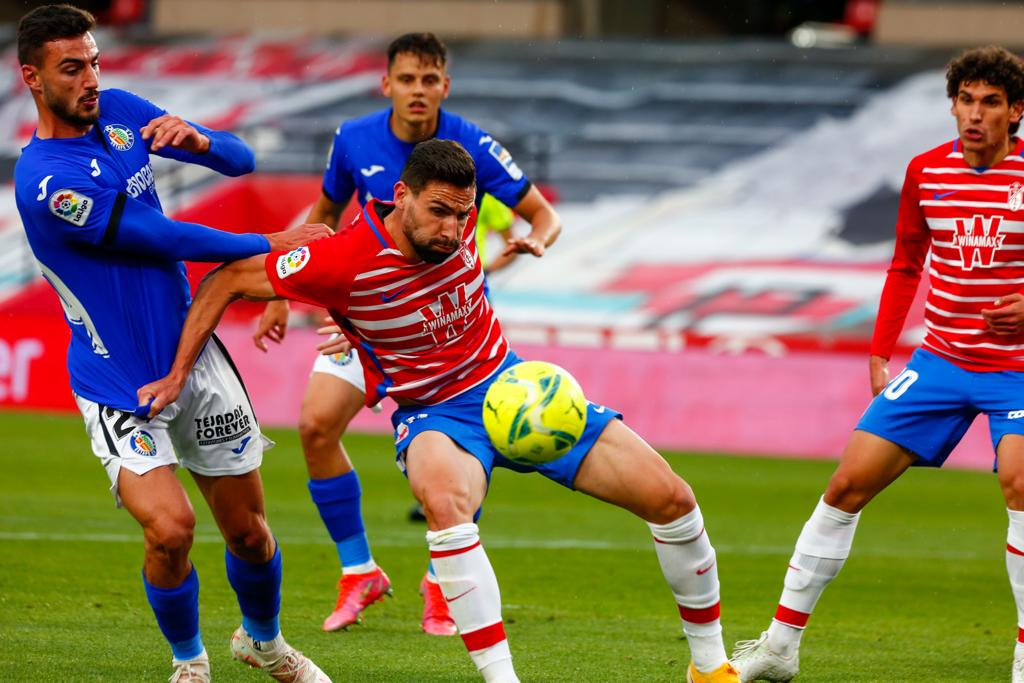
(723, 674)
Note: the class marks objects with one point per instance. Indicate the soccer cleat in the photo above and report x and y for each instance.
(723, 674)
(282, 663)
(437, 619)
(755, 661)
(356, 592)
(191, 670)
(1017, 673)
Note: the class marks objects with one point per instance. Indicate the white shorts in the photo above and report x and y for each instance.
(344, 366)
(210, 430)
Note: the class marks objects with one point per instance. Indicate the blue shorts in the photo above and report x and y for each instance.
(928, 407)
(461, 419)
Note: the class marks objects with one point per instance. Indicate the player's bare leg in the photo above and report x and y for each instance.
(328, 406)
(623, 470)
(451, 485)
(158, 503)
(1011, 479)
(253, 562)
(868, 465)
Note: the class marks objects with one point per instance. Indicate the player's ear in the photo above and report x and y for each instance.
(385, 86)
(1016, 111)
(447, 86)
(30, 75)
(400, 192)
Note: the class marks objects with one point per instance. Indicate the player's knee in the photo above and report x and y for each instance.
(844, 493)
(444, 509)
(171, 536)
(669, 500)
(318, 431)
(252, 541)
(1013, 490)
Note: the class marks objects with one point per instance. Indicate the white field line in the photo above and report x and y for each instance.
(415, 542)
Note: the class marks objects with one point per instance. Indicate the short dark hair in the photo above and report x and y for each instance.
(994, 65)
(426, 46)
(50, 22)
(444, 161)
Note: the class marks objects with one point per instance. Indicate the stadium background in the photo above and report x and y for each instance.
(727, 173)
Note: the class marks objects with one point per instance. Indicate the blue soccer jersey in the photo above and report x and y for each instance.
(94, 222)
(367, 158)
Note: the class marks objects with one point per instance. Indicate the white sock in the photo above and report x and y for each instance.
(821, 550)
(364, 568)
(688, 563)
(1015, 570)
(470, 587)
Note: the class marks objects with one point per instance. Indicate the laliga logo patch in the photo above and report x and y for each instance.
(120, 137)
(74, 207)
(143, 443)
(505, 159)
(1015, 196)
(292, 262)
(340, 359)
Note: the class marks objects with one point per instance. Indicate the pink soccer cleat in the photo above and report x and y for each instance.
(437, 619)
(356, 592)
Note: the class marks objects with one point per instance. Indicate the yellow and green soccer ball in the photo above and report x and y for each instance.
(534, 412)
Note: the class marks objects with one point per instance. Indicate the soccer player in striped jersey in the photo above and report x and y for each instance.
(365, 160)
(963, 204)
(405, 283)
(86, 194)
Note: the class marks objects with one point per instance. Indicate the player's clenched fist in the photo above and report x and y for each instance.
(294, 238)
(174, 131)
(161, 393)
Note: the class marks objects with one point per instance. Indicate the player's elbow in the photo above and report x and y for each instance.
(244, 164)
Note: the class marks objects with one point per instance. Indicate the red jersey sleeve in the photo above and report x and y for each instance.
(913, 238)
(315, 274)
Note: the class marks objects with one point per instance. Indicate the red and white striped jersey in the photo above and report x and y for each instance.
(971, 221)
(425, 332)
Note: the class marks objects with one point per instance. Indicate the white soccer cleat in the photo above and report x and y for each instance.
(757, 662)
(1017, 675)
(191, 670)
(282, 663)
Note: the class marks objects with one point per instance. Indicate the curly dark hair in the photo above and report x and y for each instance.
(426, 46)
(994, 65)
(50, 22)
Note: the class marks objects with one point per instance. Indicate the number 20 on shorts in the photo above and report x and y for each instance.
(899, 385)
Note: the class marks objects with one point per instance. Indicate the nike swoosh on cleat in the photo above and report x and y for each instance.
(241, 446)
(705, 570)
(461, 595)
(936, 195)
(388, 298)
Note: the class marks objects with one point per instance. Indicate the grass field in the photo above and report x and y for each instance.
(924, 596)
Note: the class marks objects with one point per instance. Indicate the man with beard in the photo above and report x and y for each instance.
(85, 191)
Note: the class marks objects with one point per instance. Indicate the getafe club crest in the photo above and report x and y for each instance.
(120, 137)
(1015, 196)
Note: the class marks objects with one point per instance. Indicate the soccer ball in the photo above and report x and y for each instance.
(534, 412)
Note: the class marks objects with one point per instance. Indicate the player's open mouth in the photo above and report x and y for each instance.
(89, 101)
(974, 134)
(417, 108)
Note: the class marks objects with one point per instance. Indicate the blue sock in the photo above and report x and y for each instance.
(258, 587)
(338, 500)
(177, 615)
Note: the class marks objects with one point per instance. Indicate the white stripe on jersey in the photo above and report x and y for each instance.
(412, 295)
(980, 281)
(970, 171)
(986, 345)
(1005, 225)
(965, 186)
(955, 330)
(951, 314)
(959, 264)
(963, 299)
(973, 205)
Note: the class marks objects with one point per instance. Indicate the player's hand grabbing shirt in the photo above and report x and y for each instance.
(94, 221)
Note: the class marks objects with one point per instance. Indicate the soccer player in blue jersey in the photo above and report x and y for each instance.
(366, 159)
(85, 191)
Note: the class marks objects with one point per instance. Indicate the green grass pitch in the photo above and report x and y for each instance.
(924, 596)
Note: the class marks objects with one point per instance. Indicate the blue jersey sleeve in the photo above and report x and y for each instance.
(81, 211)
(227, 155)
(338, 185)
(497, 173)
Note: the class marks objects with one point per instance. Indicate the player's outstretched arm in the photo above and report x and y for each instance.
(175, 138)
(544, 221)
(241, 279)
(273, 324)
